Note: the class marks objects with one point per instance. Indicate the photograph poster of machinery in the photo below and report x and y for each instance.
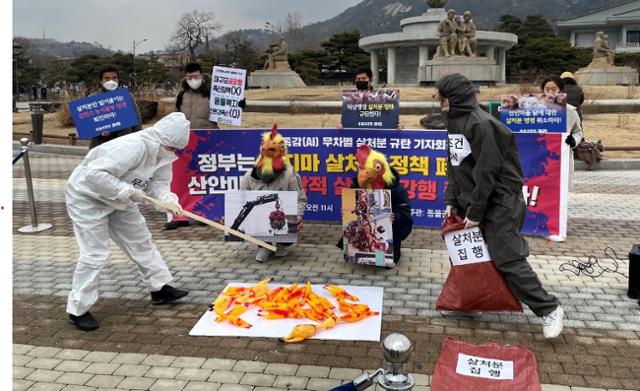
(266, 215)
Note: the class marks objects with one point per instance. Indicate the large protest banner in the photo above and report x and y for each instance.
(106, 112)
(214, 162)
(542, 117)
(227, 90)
(375, 109)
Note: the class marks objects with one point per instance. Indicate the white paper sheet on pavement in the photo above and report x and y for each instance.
(367, 329)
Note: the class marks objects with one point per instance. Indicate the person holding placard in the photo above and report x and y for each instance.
(102, 195)
(273, 171)
(485, 188)
(552, 86)
(110, 81)
(193, 100)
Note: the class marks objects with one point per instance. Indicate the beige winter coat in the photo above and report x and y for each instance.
(196, 108)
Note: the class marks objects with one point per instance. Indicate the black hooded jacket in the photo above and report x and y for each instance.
(491, 173)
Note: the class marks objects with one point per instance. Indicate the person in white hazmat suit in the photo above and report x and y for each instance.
(102, 196)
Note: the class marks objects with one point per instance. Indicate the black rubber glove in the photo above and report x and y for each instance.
(571, 141)
(242, 104)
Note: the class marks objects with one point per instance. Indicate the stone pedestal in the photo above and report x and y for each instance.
(606, 76)
(275, 79)
(476, 69)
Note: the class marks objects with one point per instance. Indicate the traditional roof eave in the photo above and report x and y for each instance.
(614, 15)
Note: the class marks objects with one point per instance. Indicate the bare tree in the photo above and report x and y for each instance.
(292, 28)
(192, 30)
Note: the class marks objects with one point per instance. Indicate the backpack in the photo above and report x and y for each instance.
(589, 152)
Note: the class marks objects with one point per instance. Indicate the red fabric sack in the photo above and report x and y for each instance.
(463, 366)
(473, 283)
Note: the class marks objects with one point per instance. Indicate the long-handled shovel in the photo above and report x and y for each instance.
(213, 224)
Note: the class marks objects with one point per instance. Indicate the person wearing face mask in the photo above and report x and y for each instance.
(363, 76)
(552, 86)
(193, 101)
(110, 81)
(485, 188)
(102, 197)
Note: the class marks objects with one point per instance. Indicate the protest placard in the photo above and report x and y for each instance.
(377, 109)
(108, 112)
(535, 113)
(269, 216)
(367, 227)
(227, 90)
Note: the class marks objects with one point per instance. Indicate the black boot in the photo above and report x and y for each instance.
(84, 322)
(171, 225)
(167, 294)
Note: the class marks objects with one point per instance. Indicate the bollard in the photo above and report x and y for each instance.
(34, 227)
(396, 349)
(37, 119)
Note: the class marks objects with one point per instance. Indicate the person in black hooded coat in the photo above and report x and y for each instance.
(485, 187)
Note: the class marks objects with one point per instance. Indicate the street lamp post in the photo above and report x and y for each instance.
(135, 83)
(16, 95)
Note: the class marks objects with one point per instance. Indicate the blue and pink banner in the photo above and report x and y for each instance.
(214, 161)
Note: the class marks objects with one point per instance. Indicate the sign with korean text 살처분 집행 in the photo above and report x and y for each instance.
(376, 109)
(107, 112)
(213, 163)
(227, 90)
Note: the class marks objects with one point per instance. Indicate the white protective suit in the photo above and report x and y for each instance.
(98, 201)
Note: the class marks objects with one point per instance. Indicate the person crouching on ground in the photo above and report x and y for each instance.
(102, 196)
(485, 188)
(273, 171)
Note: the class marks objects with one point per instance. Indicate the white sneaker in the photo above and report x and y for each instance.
(552, 323)
(282, 251)
(263, 254)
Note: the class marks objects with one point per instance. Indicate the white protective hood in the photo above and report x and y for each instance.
(171, 131)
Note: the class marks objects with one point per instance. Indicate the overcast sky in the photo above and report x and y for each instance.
(116, 23)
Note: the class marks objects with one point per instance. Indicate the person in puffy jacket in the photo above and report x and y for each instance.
(273, 171)
(485, 188)
(102, 196)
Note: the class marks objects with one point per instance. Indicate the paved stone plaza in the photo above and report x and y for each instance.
(140, 346)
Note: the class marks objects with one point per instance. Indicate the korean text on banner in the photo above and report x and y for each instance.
(214, 162)
(535, 113)
(108, 112)
(227, 90)
(378, 109)
(544, 117)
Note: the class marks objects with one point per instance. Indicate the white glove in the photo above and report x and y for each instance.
(172, 199)
(449, 211)
(177, 209)
(470, 223)
(137, 195)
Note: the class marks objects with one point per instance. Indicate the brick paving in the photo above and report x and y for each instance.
(140, 346)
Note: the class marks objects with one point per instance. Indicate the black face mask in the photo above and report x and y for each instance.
(362, 85)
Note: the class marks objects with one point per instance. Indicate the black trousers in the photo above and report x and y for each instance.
(509, 251)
